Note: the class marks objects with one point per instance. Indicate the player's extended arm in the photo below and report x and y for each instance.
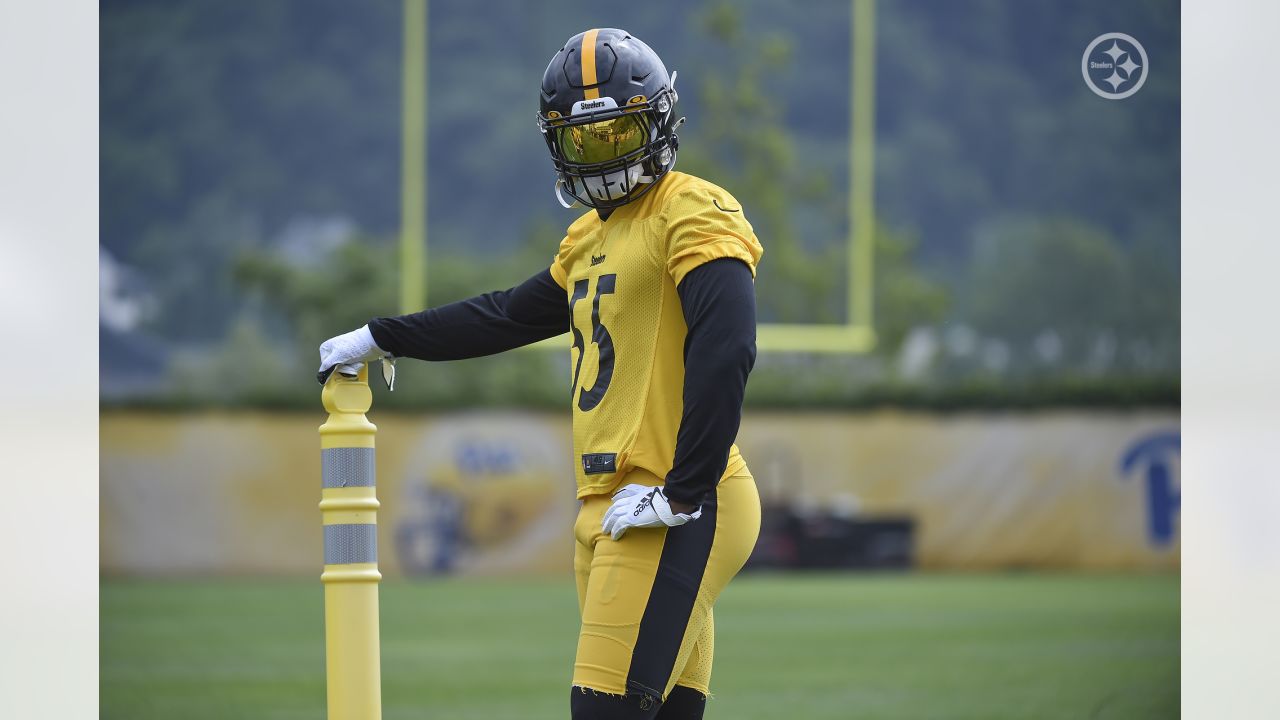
(483, 325)
(534, 310)
(719, 303)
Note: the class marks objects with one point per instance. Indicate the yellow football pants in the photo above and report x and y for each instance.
(646, 599)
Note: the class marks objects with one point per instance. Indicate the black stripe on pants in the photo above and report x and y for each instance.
(675, 589)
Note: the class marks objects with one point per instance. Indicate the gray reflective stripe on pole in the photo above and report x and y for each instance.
(345, 544)
(347, 467)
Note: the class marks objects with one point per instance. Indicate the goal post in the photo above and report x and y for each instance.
(856, 335)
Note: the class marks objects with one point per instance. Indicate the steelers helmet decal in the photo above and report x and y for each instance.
(607, 113)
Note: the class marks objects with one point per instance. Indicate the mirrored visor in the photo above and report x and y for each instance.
(602, 141)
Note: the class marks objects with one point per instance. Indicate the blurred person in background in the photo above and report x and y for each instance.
(656, 284)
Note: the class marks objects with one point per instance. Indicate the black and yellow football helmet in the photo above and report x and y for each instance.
(608, 116)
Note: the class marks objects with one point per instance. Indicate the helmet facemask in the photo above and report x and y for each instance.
(606, 155)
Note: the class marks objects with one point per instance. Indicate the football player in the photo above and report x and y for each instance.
(655, 285)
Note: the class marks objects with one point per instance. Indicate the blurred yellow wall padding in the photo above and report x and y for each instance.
(492, 492)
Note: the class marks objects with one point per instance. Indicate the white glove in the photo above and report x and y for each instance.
(348, 353)
(642, 506)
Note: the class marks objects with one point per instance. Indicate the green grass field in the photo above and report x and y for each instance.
(798, 647)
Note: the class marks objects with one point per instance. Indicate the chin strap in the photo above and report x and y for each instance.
(560, 196)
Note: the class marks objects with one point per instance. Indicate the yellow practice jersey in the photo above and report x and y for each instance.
(628, 329)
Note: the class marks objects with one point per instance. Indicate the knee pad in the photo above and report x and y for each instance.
(683, 703)
(588, 704)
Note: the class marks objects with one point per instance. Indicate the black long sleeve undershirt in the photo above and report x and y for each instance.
(483, 325)
(718, 301)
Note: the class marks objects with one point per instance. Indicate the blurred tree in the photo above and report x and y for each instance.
(1033, 275)
(1061, 291)
(221, 123)
(740, 140)
(245, 368)
(356, 281)
(742, 137)
(905, 296)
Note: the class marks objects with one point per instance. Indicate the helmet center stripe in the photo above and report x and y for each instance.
(589, 64)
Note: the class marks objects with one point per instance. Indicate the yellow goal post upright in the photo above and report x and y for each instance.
(855, 335)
